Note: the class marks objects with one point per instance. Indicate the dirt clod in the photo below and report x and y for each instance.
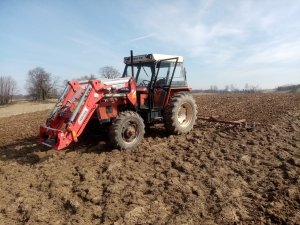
(216, 174)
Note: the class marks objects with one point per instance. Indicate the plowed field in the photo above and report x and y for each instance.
(216, 174)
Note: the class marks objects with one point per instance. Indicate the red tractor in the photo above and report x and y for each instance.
(153, 89)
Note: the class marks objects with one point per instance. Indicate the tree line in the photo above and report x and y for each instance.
(288, 88)
(42, 85)
(231, 88)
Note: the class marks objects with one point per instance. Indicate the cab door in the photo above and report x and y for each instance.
(143, 80)
(162, 82)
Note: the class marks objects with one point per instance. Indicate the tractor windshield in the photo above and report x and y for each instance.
(142, 72)
(170, 74)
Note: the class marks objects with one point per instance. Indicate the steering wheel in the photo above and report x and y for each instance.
(145, 83)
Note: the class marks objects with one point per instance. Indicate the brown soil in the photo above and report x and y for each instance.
(216, 174)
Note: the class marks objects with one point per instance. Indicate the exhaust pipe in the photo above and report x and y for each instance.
(131, 59)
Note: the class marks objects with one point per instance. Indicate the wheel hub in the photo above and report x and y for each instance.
(182, 114)
(185, 114)
(130, 132)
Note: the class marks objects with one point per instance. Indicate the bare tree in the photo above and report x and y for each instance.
(213, 88)
(247, 87)
(7, 89)
(233, 88)
(40, 84)
(109, 72)
(226, 89)
(87, 77)
(251, 88)
(13, 88)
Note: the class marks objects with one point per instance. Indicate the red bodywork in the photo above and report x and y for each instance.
(98, 99)
(79, 102)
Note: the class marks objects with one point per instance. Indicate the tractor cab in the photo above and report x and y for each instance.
(152, 70)
(157, 78)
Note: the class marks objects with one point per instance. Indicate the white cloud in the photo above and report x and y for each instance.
(214, 29)
(186, 27)
(287, 52)
(139, 38)
(79, 41)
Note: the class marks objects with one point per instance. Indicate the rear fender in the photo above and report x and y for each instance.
(173, 91)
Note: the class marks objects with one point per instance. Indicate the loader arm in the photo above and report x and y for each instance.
(75, 108)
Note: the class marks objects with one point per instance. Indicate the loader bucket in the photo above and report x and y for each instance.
(53, 138)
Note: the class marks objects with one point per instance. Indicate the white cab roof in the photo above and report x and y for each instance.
(153, 58)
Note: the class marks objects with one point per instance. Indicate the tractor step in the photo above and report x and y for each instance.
(48, 143)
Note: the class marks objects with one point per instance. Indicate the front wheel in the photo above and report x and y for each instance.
(127, 131)
(180, 114)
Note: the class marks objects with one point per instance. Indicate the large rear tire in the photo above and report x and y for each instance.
(180, 114)
(127, 131)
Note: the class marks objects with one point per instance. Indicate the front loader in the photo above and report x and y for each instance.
(153, 89)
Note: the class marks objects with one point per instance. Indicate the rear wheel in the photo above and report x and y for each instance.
(180, 114)
(127, 131)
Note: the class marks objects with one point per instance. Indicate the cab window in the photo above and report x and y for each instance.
(142, 73)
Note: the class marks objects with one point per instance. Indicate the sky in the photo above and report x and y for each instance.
(223, 42)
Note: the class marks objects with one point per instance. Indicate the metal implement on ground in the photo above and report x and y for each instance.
(153, 89)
